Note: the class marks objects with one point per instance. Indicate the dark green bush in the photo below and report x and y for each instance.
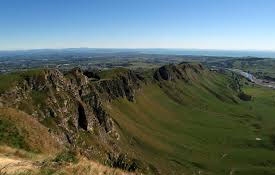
(10, 135)
(66, 157)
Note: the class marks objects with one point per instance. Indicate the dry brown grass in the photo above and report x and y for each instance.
(35, 134)
(87, 167)
(16, 166)
(14, 162)
(18, 153)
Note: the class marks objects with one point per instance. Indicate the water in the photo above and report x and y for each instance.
(219, 53)
(244, 74)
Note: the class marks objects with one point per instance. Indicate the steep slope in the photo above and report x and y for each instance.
(197, 128)
(70, 105)
(18, 129)
(172, 120)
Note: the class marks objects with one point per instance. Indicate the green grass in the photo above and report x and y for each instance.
(187, 128)
(20, 130)
(11, 136)
(66, 157)
(39, 97)
(9, 80)
(112, 73)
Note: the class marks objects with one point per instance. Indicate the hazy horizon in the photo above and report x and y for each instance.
(160, 51)
(136, 48)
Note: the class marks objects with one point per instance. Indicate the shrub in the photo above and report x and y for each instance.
(10, 135)
(66, 157)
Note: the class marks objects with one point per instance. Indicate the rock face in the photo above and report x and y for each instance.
(74, 101)
(123, 86)
(183, 71)
(71, 103)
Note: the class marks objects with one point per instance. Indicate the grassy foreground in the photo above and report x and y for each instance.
(19, 162)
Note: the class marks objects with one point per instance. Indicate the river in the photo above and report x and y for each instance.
(252, 78)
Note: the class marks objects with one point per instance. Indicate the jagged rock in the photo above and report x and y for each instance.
(184, 71)
(70, 102)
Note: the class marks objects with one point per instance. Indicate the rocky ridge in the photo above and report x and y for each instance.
(71, 105)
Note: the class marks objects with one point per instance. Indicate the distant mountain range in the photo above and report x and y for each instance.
(194, 52)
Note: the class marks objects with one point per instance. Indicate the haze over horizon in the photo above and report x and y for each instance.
(200, 24)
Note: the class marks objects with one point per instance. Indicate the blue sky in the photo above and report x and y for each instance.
(200, 24)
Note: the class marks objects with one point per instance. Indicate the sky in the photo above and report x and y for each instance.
(188, 24)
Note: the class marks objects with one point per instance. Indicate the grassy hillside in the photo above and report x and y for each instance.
(19, 130)
(199, 128)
